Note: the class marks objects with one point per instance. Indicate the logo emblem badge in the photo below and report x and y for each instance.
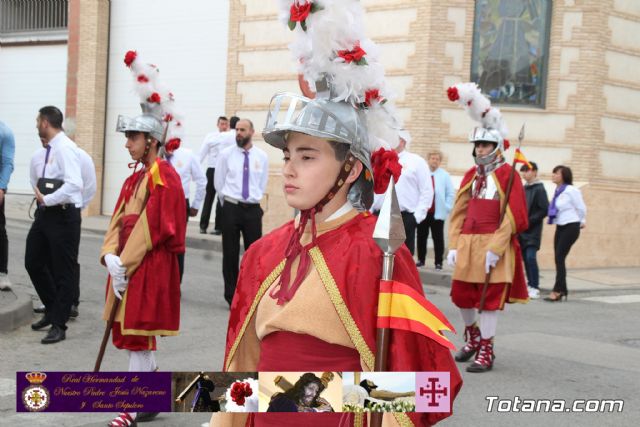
(36, 397)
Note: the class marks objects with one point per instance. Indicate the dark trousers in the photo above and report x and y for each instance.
(237, 218)
(181, 256)
(565, 237)
(410, 225)
(76, 273)
(437, 234)
(208, 204)
(531, 266)
(4, 241)
(51, 258)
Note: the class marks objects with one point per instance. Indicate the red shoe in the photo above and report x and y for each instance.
(472, 343)
(484, 358)
(124, 419)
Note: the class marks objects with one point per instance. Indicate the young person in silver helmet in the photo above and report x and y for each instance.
(479, 244)
(145, 235)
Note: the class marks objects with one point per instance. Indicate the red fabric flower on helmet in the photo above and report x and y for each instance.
(239, 392)
(299, 12)
(372, 95)
(143, 79)
(385, 164)
(172, 145)
(453, 94)
(154, 97)
(507, 144)
(355, 55)
(129, 57)
(168, 117)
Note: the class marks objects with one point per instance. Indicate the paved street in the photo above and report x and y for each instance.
(587, 348)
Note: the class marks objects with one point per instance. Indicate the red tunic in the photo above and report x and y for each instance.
(148, 243)
(349, 263)
(481, 217)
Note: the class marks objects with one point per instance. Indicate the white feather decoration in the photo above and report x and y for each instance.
(334, 26)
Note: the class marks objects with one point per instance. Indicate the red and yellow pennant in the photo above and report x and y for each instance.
(518, 157)
(402, 307)
(154, 177)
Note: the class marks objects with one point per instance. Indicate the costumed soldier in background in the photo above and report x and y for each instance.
(479, 243)
(307, 294)
(146, 233)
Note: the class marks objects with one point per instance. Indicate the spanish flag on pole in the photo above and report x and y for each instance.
(518, 157)
(402, 307)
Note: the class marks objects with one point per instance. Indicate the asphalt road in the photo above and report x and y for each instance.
(581, 349)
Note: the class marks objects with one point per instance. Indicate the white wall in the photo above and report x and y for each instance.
(187, 40)
(30, 78)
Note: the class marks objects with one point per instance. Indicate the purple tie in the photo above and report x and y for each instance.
(245, 176)
(46, 159)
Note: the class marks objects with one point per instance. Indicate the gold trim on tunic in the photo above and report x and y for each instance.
(266, 284)
(343, 312)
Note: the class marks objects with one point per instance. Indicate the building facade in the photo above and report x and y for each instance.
(578, 89)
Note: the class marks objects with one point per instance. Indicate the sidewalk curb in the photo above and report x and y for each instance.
(16, 313)
(210, 242)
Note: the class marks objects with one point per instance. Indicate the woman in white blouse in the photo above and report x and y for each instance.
(568, 212)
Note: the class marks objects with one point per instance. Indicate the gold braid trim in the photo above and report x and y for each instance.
(266, 284)
(358, 419)
(403, 419)
(343, 312)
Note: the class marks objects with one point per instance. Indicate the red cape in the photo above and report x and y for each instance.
(355, 264)
(152, 300)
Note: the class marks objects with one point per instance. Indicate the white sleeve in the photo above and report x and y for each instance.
(220, 175)
(201, 182)
(578, 203)
(88, 170)
(33, 173)
(425, 189)
(204, 150)
(265, 173)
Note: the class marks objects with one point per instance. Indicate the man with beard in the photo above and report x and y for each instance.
(240, 181)
(52, 243)
(304, 396)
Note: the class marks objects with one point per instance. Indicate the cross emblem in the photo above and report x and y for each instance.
(433, 391)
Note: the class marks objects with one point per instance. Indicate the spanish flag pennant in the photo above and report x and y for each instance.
(154, 176)
(518, 157)
(402, 307)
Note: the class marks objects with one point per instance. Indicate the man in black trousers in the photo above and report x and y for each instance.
(52, 243)
(241, 177)
(214, 143)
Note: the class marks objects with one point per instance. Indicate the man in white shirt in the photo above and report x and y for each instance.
(185, 163)
(414, 189)
(240, 180)
(52, 243)
(88, 173)
(443, 197)
(213, 144)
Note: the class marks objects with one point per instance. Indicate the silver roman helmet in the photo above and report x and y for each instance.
(327, 119)
(480, 134)
(147, 122)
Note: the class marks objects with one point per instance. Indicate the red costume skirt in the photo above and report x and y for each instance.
(467, 295)
(131, 342)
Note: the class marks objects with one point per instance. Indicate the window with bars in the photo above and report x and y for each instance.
(32, 17)
(511, 50)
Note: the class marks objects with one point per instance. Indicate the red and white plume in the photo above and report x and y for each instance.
(155, 99)
(330, 41)
(478, 106)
